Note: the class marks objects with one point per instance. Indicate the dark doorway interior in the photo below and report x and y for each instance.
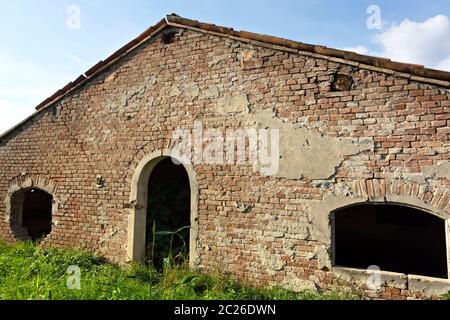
(37, 213)
(168, 214)
(395, 238)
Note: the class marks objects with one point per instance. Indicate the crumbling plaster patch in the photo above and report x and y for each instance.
(308, 154)
(319, 215)
(234, 103)
(130, 94)
(322, 254)
(272, 262)
(174, 91)
(129, 99)
(250, 60)
(211, 92)
(194, 92)
(439, 171)
(218, 59)
(298, 285)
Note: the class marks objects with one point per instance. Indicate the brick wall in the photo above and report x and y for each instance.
(131, 109)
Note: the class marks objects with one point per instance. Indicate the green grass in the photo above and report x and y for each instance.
(28, 272)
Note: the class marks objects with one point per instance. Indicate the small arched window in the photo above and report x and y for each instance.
(31, 214)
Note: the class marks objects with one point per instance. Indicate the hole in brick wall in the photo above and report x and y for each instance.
(341, 82)
(168, 36)
(396, 238)
(31, 215)
(168, 214)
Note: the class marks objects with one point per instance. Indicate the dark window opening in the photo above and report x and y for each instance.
(168, 214)
(395, 238)
(37, 213)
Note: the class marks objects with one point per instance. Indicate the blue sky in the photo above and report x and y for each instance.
(39, 52)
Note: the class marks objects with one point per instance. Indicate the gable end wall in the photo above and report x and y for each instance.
(394, 132)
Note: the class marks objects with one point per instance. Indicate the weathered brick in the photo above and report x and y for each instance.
(130, 110)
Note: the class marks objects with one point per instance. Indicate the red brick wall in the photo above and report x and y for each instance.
(106, 126)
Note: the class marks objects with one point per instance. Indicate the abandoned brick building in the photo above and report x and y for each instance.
(363, 175)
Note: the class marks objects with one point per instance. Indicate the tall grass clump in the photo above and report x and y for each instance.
(29, 272)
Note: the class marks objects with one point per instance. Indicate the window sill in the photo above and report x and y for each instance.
(414, 283)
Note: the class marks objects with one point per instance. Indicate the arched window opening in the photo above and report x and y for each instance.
(393, 237)
(168, 213)
(31, 214)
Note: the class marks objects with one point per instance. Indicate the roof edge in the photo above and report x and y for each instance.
(177, 21)
(105, 63)
(413, 71)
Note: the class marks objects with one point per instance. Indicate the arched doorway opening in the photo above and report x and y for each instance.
(393, 237)
(137, 246)
(31, 214)
(168, 213)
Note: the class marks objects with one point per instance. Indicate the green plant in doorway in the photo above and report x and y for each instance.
(168, 222)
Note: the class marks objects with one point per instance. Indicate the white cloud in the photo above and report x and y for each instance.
(426, 43)
(358, 49)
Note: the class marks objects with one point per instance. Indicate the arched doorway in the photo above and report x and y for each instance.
(31, 214)
(393, 237)
(138, 236)
(168, 213)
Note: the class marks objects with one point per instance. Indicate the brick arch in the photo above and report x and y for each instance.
(146, 149)
(138, 206)
(435, 200)
(22, 183)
